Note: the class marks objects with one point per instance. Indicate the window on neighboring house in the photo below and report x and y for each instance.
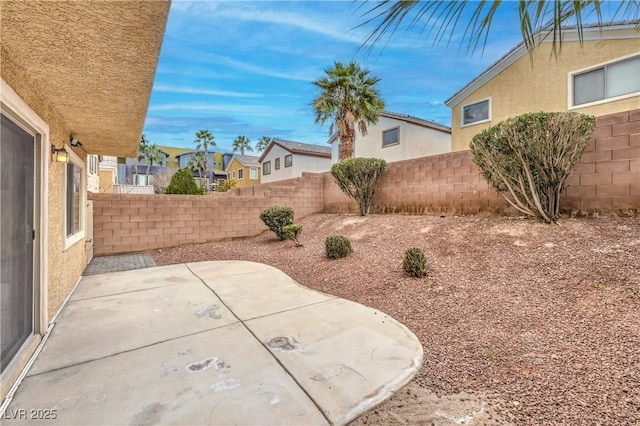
(477, 112)
(143, 179)
(288, 160)
(253, 173)
(608, 81)
(233, 174)
(390, 137)
(276, 163)
(74, 200)
(266, 168)
(240, 174)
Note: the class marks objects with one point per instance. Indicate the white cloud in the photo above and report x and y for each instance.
(198, 91)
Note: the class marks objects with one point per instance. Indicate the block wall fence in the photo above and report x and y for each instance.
(606, 181)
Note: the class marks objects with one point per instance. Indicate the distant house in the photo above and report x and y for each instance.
(244, 169)
(286, 160)
(216, 164)
(108, 173)
(397, 137)
(132, 171)
(599, 77)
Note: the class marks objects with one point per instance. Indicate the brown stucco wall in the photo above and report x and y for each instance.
(106, 181)
(540, 83)
(64, 266)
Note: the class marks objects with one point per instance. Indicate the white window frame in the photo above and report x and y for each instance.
(253, 172)
(70, 240)
(397, 142)
(240, 174)
(488, 119)
(572, 74)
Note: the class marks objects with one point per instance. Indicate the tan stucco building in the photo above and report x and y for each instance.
(599, 77)
(244, 170)
(69, 70)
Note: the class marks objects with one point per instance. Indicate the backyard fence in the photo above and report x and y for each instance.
(607, 181)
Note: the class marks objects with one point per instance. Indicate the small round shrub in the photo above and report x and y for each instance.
(337, 246)
(292, 232)
(276, 218)
(182, 182)
(415, 263)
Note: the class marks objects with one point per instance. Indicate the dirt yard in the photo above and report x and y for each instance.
(521, 323)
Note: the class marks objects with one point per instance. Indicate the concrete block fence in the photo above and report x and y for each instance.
(607, 181)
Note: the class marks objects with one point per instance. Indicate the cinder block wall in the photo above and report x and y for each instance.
(136, 222)
(607, 181)
(608, 176)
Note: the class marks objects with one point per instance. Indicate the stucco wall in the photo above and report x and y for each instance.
(542, 85)
(234, 166)
(64, 267)
(301, 163)
(414, 141)
(107, 178)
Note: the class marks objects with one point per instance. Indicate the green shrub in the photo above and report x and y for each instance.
(292, 232)
(337, 246)
(415, 263)
(358, 178)
(182, 182)
(276, 218)
(225, 185)
(529, 157)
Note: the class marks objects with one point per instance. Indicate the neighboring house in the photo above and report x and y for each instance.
(397, 137)
(216, 164)
(132, 171)
(108, 173)
(286, 160)
(66, 74)
(93, 173)
(600, 77)
(244, 170)
(173, 153)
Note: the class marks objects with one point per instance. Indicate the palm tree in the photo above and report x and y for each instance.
(263, 143)
(242, 144)
(348, 97)
(149, 152)
(198, 163)
(143, 141)
(204, 140)
(441, 18)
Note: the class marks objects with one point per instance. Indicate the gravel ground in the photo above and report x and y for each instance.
(521, 322)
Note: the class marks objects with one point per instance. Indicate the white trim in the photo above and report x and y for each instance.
(13, 106)
(69, 241)
(615, 32)
(572, 74)
(489, 112)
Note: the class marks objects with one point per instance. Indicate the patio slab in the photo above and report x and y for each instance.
(213, 343)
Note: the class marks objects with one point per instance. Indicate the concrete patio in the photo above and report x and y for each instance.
(228, 342)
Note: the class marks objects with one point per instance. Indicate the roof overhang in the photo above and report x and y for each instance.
(94, 62)
(569, 35)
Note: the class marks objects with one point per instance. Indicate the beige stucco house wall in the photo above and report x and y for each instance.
(416, 138)
(105, 109)
(288, 160)
(519, 83)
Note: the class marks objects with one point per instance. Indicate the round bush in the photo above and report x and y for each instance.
(415, 263)
(337, 246)
(276, 218)
(182, 182)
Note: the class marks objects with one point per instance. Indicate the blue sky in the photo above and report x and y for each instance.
(247, 68)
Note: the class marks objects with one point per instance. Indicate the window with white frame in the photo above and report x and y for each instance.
(390, 137)
(74, 199)
(253, 173)
(240, 174)
(288, 160)
(476, 112)
(266, 168)
(608, 81)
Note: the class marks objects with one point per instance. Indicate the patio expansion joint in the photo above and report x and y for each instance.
(302, 388)
(124, 292)
(130, 350)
